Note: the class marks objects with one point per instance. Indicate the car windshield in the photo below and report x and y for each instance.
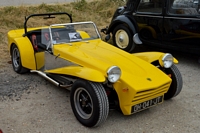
(70, 32)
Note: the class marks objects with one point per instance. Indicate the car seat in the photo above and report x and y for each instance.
(34, 42)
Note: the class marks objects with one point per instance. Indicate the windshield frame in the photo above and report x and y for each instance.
(45, 16)
(50, 45)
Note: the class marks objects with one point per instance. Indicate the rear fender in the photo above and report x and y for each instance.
(149, 28)
(152, 56)
(80, 72)
(26, 52)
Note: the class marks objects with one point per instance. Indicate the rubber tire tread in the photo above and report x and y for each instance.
(177, 84)
(100, 94)
(21, 69)
(103, 102)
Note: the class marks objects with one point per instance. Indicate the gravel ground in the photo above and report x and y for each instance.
(29, 103)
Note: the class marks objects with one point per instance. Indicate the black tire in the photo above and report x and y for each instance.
(89, 103)
(16, 60)
(123, 38)
(177, 82)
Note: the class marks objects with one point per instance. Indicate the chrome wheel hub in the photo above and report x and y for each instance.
(83, 103)
(16, 57)
(122, 39)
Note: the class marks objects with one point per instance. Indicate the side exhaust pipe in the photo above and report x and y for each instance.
(51, 80)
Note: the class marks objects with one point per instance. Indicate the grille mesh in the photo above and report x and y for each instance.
(151, 92)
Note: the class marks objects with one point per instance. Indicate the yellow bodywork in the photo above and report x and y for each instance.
(25, 47)
(140, 80)
(152, 56)
(78, 71)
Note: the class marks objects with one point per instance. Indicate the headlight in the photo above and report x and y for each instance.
(167, 60)
(114, 74)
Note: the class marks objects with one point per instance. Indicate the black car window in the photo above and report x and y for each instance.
(150, 6)
(183, 7)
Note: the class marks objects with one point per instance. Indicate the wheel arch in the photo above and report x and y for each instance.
(126, 20)
(26, 52)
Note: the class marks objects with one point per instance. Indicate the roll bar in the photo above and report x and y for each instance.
(48, 15)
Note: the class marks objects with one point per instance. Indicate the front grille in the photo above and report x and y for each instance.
(151, 92)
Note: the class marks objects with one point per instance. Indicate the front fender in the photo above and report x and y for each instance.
(80, 72)
(26, 52)
(152, 56)
(123, 19)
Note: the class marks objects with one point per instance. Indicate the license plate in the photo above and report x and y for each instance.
(147, 104)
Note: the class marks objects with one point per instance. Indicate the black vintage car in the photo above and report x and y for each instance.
(168, 24)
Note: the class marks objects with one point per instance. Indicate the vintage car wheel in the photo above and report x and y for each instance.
(16, 60)
(123, 38)
(89, 103)
(177, 82)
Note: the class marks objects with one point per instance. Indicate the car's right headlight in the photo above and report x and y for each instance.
(167, 60)
(113, 73)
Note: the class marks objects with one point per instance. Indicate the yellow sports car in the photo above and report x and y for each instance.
(98, 75)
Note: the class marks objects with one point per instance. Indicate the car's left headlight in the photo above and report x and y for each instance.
(113, 73)
(167, 60)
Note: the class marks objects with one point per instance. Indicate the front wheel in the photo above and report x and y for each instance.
(89, 103)
(123, 38)
(16, 60)
(177, 82)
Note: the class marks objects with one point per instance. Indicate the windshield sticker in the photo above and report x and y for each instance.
(75, 36)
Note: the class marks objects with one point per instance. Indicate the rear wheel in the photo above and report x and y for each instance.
(16, 60)
(123, 38)
(177, 82)
(89, 103)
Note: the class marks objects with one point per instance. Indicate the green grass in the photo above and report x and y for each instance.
(98, 11)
